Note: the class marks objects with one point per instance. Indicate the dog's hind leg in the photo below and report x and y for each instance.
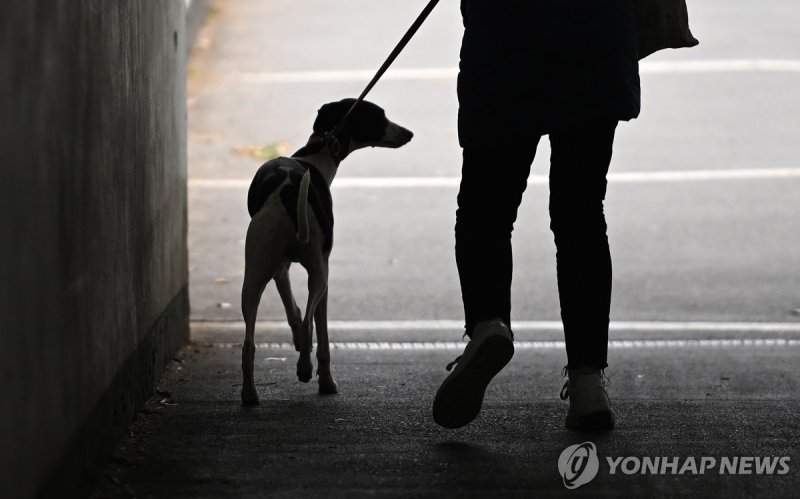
(262, 261)
(317, 285)
(327, 385)
(252, 289)
(292, 310)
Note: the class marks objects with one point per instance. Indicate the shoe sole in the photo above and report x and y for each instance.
(460, 397)
(596, 421)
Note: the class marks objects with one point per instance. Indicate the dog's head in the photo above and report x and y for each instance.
(367, 126)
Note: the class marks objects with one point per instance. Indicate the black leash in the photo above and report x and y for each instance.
(389, 60)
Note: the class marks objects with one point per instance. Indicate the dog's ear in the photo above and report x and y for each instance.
(325, 120)
(329, 115)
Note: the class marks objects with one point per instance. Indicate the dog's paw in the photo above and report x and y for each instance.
(304, 370)
(328, 386)
(249, 398)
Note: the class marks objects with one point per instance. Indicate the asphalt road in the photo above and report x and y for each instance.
(720, 248)
(703, 216)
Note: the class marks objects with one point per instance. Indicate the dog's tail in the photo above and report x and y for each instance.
(302, 209)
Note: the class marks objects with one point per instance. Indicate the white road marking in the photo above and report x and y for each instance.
(722, 66)
(449, 182)
(456, 325)
(450, 73)
(357, 75)
(535, 345)
(403, 182)
(693, 175)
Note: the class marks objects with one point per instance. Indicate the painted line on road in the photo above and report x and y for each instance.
(347, 75)
(440, 182)
(457, 326)
(722, 66)
(450, 73)
(534, 345)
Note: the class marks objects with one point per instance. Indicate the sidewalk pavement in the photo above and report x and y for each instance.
(377, 437)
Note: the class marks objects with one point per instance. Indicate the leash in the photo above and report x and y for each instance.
(329, 136)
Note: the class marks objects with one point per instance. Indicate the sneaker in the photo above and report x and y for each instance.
(460, 397)
(589, 407)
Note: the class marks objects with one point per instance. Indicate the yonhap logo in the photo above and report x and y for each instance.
(578, 464)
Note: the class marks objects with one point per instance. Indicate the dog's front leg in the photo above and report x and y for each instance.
(327, 385)
(317, 285)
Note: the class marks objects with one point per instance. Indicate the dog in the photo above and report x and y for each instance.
(291, 214)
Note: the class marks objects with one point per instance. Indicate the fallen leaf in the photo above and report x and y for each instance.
(265, 152)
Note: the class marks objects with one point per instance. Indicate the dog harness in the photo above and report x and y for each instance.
(284, 175)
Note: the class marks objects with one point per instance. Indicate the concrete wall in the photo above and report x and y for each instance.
(93, 259)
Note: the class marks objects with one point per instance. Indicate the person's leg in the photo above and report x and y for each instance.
(491, 189)
(579, 164)
(492, 183)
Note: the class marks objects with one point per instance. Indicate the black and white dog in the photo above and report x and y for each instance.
(284, 230)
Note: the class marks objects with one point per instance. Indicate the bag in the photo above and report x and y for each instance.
(662, 24)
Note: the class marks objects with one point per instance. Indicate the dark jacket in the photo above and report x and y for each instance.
(531, 67)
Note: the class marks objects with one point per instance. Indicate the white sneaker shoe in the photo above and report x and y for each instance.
(589, 407)
(460, 397)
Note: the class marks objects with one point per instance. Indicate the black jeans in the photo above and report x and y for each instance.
(492, 183)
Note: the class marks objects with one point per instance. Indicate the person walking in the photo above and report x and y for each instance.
(569, 70)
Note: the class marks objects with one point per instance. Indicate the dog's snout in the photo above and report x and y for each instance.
(403, 136)
(397, 135)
